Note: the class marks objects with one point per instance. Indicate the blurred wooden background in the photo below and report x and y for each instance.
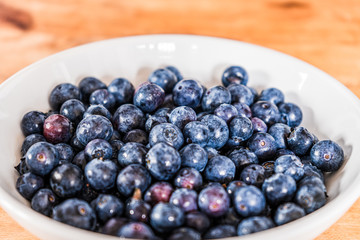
(325, 33)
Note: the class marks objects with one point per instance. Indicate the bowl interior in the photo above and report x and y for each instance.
(330, 110)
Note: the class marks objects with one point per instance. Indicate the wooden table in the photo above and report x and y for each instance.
(325, 33)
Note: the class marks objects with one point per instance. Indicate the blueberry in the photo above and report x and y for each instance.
(112, 226)
(241, 93)
(57, 129)
(327, 155)
(259, 125)
(98, 148)
(266, 111)
(234, 74)
(242, 157)
(167, 133)
(21, 168)
(290, 165)
(164, 78)
(163, 112)
(283, 151)
(280, 132)
(313, 181)
(197, 220)
(73, 109)
(165, 217)
(107, 206)
(154, 120)
(300, 141)
(249, 201)
(188, 178)
(132, 177)
(226, 112)
(31, 140)
(103, 97)
(80, 160)
(211, 152)
(241, 129)
(290, 114)
(254, 224)
(185, 233)
(158, 192)
(180, 116)
(66, 152)
(136, 135)
(97, 110)
(201, 115)
(42, 158)
(136, 230)
(263, 145)
(88, 85)
(213, 200)
(279, 188)
(137, 209)
(66, 180)
(310, 197)
(116, 136)
(196, 132)
(288, 212)
(184, 198)
(28, 184)
(272, 95)
(168, 102)
(230, 218)
(310, 170)
(175, 71)
(87, 193)
(94, 127)
(221, 231)
(233, 186)
(116, 146)
(218, 131)
(75, 212)
(214, 97)
(32, 122)
(132, 153)
(101, 174)
(220, 169)
(43, 201)
(76, 144)
(148, 97)
(253, 174)
(128, 117)
(305, 159)
(243, 109)
(51, 112)
(194, 156)
(163, 161)
(269, 167)
(61, 93)
(187, 93)
(122, 90)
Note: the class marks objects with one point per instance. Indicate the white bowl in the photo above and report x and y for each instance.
(330, 111)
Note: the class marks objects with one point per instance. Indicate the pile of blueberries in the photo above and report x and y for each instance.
(172, 159)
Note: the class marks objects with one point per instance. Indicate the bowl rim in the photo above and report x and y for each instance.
(336, 206)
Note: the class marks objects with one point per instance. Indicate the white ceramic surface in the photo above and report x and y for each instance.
(330, 111)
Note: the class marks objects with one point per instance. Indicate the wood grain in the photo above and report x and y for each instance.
(325, 33)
